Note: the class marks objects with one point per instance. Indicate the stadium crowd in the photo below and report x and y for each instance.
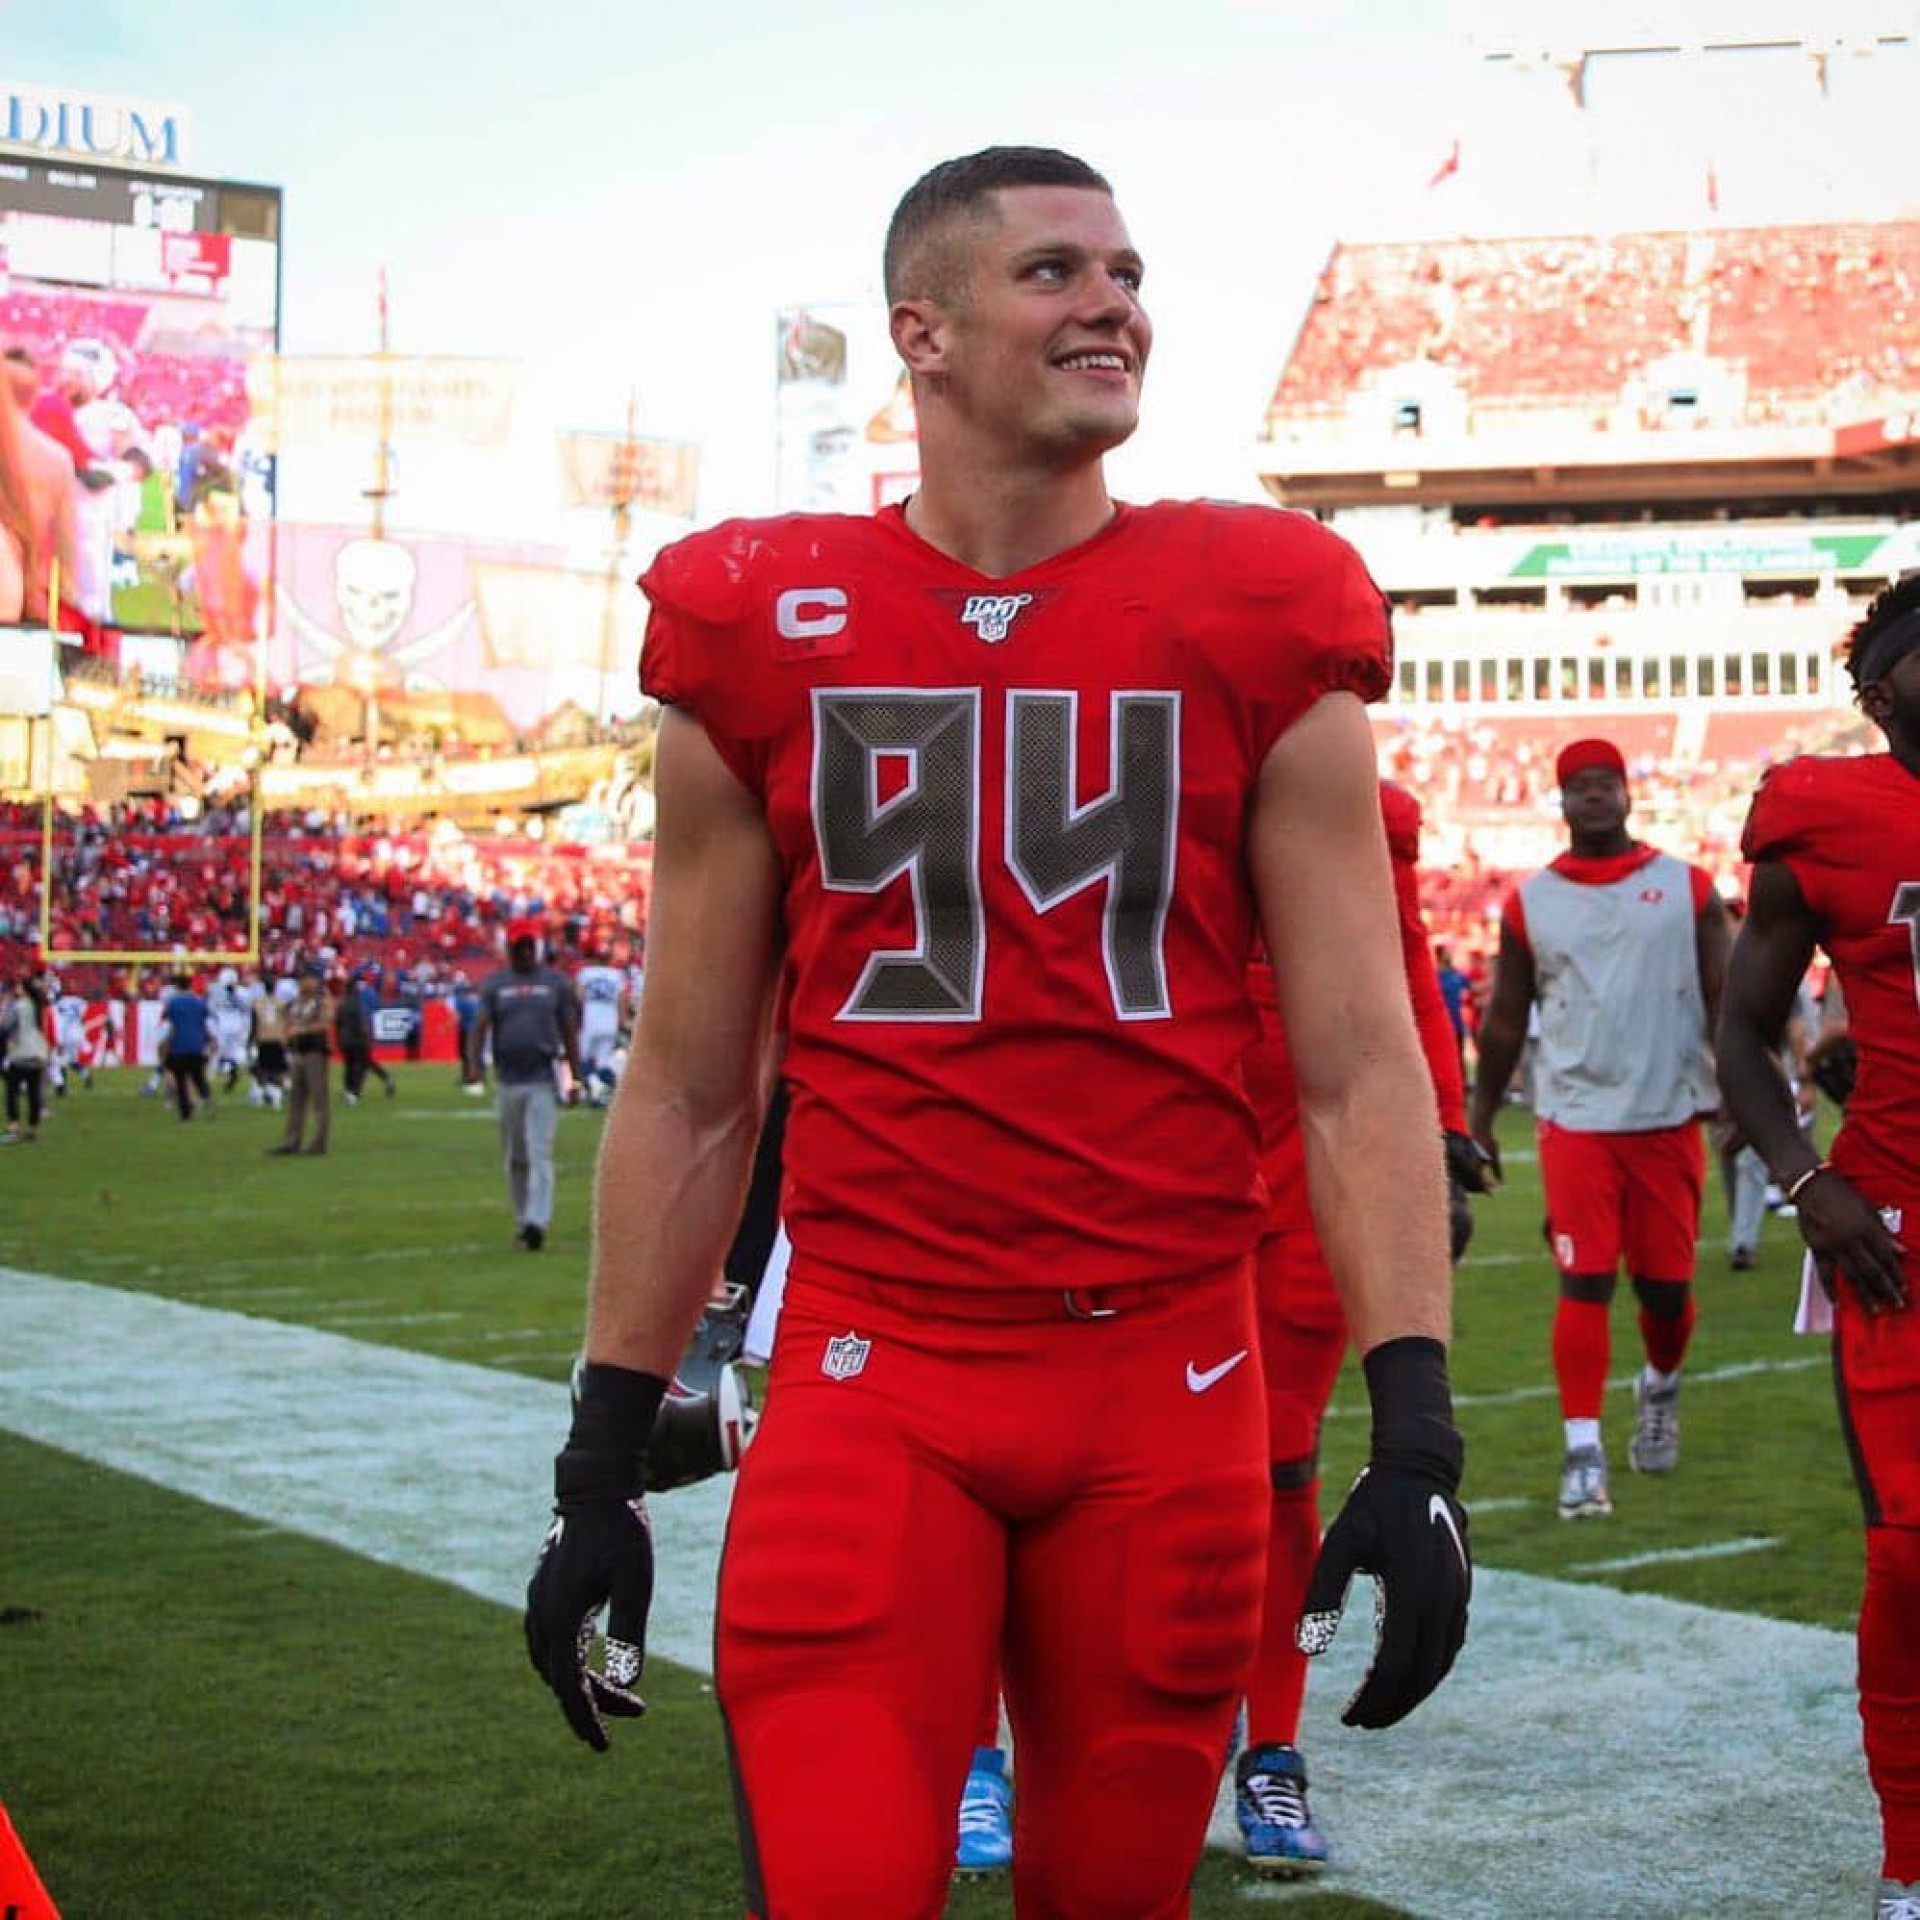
(145, 877)
(1574, 319)
(419, 904)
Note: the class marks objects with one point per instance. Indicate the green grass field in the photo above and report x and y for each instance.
(205, 1716)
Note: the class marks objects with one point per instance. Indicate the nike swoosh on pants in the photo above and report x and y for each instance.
(1199, 1381)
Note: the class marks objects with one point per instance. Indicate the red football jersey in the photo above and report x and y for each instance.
(1850, 832)
(1011, 815)
(1269, 1068)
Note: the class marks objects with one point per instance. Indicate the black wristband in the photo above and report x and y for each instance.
(605, 1454)
(1413, 1428)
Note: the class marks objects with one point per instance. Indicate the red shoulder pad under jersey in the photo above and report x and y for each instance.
(1401, 812)
(709, 628)
(1298, 600)
(1795, 807)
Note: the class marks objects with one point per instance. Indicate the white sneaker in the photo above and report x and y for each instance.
(1655, 1446)
(1583, 1484)
(1898, 1900)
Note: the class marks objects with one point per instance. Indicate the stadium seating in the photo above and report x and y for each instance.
(141, 879)
(425, 902)
(1813, 316)
(1815, 311)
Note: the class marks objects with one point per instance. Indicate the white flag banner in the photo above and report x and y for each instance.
(554, 618)
(318, 399)
(616, 470)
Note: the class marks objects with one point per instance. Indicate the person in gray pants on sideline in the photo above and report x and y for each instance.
(531, 1016)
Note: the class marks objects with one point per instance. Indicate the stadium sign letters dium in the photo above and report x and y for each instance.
(92, 126)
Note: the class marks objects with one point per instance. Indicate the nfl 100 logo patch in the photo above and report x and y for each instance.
(991, 615)
(845, 1356)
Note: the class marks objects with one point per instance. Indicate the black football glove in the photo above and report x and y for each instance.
(1835, 1068)
(1469, 1164)
(1459, 1221)
(598, 1552)
(1469, 1170)
(1402, 1525)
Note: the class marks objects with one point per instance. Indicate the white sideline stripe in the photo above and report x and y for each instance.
(437, 1466)
(1596, 1753)
(1671, 1556)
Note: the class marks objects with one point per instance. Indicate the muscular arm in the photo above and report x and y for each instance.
(1712, 937)
(680, 1134)
(1503, 1032)
(1768, 962)
(1319, 862)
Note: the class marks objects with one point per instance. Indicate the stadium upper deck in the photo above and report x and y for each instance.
(1800, 325)
(1642, 472)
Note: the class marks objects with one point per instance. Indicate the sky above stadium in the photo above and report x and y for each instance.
(621, 197)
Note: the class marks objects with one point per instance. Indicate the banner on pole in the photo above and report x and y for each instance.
(324, 399)
(623, 470)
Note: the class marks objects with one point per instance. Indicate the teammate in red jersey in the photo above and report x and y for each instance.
(989, 793)
(1303, 1337)
(1836, 850)
(1622, 948)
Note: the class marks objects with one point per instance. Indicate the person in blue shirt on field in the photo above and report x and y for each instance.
(184, 1047)
(466, 1010)
(1454, 988)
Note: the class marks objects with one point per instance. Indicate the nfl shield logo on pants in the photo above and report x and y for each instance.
(845, 1356)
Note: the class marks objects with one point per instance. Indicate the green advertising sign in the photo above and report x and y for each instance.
(1629, 556)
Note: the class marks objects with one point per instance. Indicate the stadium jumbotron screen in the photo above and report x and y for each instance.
(140, 296)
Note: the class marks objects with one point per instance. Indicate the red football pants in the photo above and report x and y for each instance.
(1877, 1370)
(1635, 1195)
(1084, 1500)
(1303, 1338)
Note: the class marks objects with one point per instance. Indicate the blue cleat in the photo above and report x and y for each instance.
(986, 1818)
(1276, 1825)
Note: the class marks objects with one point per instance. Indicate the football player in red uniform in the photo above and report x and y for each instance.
(987, 793)
(1303, 1337)
(1836, 850)
(1621, 948)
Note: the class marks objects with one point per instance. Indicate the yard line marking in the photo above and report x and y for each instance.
(232, 1276)
(357, 1317)
(201, 1284)
(1562, 1692)
(1547, 1389)
(500, 1335)
(1669, 1556)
